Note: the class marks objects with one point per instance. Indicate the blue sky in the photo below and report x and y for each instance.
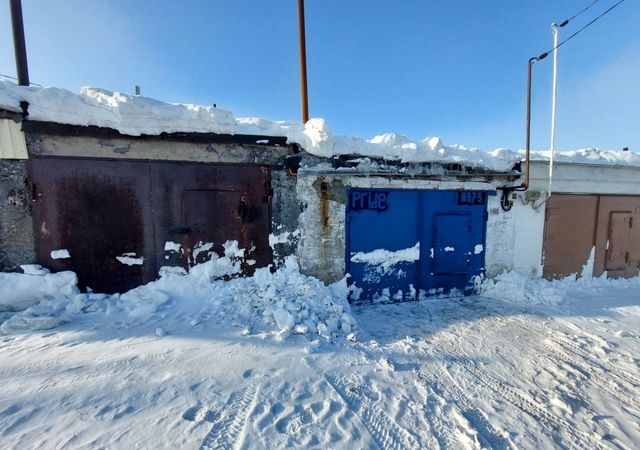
(449, 68)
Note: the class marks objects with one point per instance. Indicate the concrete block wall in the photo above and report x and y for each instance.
(17, 243)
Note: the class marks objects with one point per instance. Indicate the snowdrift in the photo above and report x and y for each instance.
(20, 291)
(269, 304)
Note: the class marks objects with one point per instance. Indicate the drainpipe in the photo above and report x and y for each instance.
(303, 62)
(506, 202)
(19, 46)
(555, 31)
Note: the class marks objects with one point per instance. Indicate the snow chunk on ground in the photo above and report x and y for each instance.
(516, 288)
(268, 304)
(20, 291)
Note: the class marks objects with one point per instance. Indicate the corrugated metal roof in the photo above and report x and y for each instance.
(12, 143)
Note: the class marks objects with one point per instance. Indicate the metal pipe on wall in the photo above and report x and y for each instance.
(19, 46)
(525, 184)
(303, 62)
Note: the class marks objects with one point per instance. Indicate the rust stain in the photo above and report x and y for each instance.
(324, 208)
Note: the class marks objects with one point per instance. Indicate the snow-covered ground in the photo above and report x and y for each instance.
(539, 365)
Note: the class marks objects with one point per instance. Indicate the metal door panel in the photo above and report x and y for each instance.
(97, 210)
(455, 230)
(234, 204)
(210, 218)
(382, 220)
(453, 237)
(569, 234)
(617, 250)
(103, 209)
(618, 220)
(438, 220)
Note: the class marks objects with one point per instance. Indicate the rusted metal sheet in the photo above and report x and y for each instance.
(100, 210)
(205, 204)
(97, 210)
(569, 233)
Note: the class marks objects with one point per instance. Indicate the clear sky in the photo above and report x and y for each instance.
(449, 68)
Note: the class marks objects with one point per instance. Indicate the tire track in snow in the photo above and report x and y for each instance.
(487, 434)
(384, 431)
(226, 432)
(595, 374)
(540, 413)
(581, 362)
(441, 435)
(571, 347)
(559, 343)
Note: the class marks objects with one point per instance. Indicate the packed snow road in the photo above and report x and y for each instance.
(440, 373)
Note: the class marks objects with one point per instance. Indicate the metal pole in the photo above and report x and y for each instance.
(525, 184)
(303, 62)
(555, 30)
(19, 45)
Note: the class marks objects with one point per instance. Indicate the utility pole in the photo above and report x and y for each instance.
(555, 30)
(19, 46)
(303, 63)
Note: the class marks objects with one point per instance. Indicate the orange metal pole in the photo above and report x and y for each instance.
(303, 63)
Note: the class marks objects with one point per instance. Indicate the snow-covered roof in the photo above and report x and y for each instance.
(138, 115)
(587, 156)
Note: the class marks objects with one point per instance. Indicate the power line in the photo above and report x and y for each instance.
(14, 78)
(565, 22)
(545, 54)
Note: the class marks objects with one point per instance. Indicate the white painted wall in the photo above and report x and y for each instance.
(12, 142)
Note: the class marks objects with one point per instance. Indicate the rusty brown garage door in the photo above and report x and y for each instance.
(114, 217)
(202, 204)
(575, 224)
(618, 236)
(569, 233)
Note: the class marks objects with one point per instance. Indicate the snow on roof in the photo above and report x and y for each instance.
(587, 156)
(137, 115)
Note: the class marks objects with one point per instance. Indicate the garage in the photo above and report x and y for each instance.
(576, 225)
(128, 218)
(403, 243)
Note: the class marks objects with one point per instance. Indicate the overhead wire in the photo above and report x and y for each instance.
(14, 78)
(565, 22)
(545, 54)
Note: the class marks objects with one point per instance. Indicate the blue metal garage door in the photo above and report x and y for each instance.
(402, 242)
